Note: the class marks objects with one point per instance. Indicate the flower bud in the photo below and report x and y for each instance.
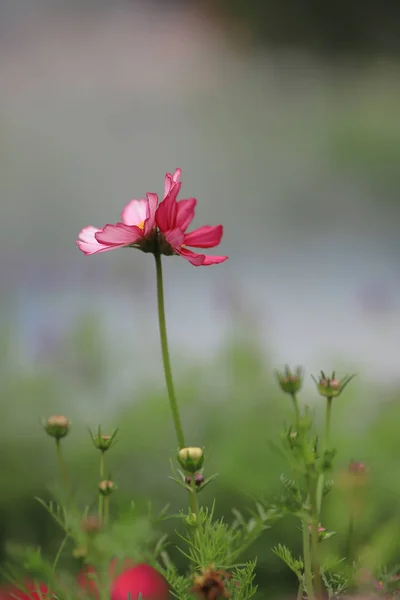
(357, 468)
(80, 552)
(106, 487)
(289, 382)
(57, 426)
(198, 479)
(191, 459)
(91, 525)
(331, 387)
(103, 442)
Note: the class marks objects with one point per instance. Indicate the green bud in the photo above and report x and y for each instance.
(103, 442)
(290, 382)
(331, 387)
(106, 487)
(57, 426)
(191, 459)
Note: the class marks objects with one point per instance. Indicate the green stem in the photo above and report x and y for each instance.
(307, 561)
(101, 497)
(327, 423)
(106, 510)
(59, 552)
(321, 479)
(297, 411)
(165, 354)
(63, 470)
(300, 591)
(314, 539)
(193, 504)
(350, 541)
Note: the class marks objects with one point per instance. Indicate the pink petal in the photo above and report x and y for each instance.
(185, 213)
(134, 212)
(195, 259)
(152, 202)
(170, 181)
(88, 243)
(166, 214)
(200, 260)
(213, 260)
(204, 237)
(119, 235)
(174, 238)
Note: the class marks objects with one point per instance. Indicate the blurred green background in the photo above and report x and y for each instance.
(285, 120)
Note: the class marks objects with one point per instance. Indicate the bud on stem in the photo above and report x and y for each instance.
(191, 459)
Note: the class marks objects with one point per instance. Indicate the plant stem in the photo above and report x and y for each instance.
(101, 498)
(63, 470)
(193, 504)
(314, 539)
(297, 411)
(299, 592)
(321, 479)
(106, 509)
(307, 561)
(165, 354)
(327, 422)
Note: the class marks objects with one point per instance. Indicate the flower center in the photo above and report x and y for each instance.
(140, 225)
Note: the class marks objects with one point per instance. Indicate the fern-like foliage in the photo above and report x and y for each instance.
(294, 564)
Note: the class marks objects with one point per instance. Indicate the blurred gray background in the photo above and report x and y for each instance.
(296, 155)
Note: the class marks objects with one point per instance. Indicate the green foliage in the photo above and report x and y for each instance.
(295, 565)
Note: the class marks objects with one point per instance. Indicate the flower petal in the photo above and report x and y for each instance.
(174, 238)
(166, 214)
(195, 259)
(171, 180)
(213, 260)
(119, 235)
(204, 237)
(200, 260)
(152, 202)
(135, 212)
(185, 213)
(87, 242)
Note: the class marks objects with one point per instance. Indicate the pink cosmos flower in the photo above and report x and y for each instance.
(173, 218)
(156, 228)
(138, 223)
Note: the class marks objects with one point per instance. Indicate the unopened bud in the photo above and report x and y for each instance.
(57, 426)
(330, 387)
(103, 442)
(289, 382)
(191, 459)
(357, 468)
(106, 487)
(91, 525)
(80, 552)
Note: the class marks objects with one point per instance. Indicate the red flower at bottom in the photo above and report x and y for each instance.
(33, 591)
(87, 578)
(140, 581)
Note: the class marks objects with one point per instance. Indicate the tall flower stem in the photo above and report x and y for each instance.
(321, 479)
(307, 562)
(101, 498)
(314, 539)
(165, 354)
(296, 410)
(63, 470)
(106, 510)
(305, 530)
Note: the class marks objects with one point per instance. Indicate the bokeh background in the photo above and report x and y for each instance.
(284, 117)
